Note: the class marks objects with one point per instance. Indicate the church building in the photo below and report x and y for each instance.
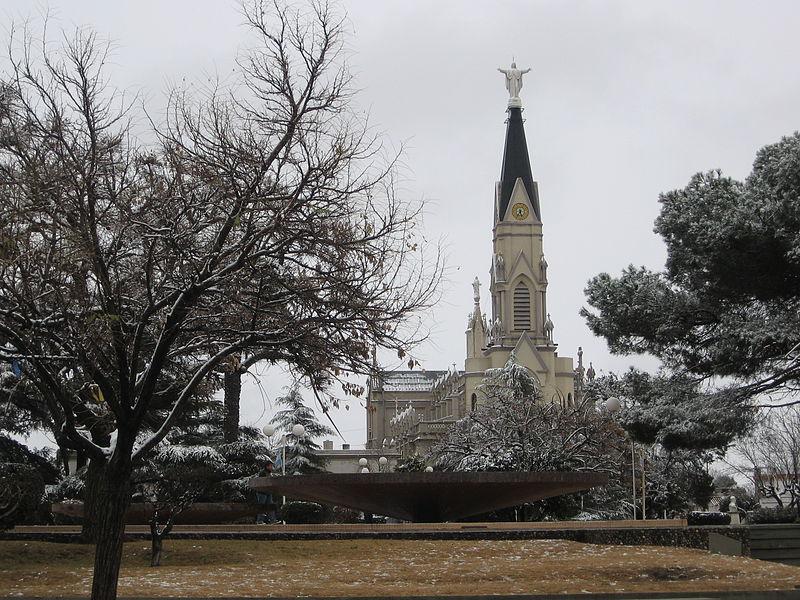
(410, 410)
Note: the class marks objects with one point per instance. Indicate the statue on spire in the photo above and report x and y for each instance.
(548, 328)
(514, 84)
(476, 291)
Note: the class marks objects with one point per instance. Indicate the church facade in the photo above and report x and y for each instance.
(411, 410)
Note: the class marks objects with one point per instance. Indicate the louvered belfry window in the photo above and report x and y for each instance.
(522, 307)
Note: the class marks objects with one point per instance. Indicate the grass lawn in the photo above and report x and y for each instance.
(385, 567)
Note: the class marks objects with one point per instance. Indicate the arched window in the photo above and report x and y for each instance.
(522, 307)
(474, 401)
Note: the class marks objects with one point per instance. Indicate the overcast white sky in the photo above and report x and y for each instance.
(625, 100)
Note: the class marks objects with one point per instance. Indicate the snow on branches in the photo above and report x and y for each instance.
(513, 429)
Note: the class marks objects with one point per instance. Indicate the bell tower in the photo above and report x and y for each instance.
(520, 321)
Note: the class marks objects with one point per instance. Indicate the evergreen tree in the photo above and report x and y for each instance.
(301, 453)
(676, 481)
(674, 411)
(727, 305)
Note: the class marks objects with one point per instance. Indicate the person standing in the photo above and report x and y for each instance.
(265, 498)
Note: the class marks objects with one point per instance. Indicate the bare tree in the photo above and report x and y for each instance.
(771, 456)
(263, 224)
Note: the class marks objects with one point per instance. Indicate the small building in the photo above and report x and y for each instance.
(346, 459)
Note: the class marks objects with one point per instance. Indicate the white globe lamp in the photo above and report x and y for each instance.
(613, 405)
(383, 461)
(365, 470)
(269, 430)
(298, 431)
(429, 469)
(362, 462)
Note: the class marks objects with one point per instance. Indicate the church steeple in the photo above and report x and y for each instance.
(519, 321)
(516, 165)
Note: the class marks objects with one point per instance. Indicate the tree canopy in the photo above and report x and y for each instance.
(726, 304)
(258, 220)
(674, 411)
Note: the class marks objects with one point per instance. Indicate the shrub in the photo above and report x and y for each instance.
(772, 515)
(342, 514)
(297, 512)
(589, 516)
(708, 518)
(21, 494)
(411, 464)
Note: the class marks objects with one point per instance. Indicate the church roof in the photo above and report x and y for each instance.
(410, 381)
(516, 164)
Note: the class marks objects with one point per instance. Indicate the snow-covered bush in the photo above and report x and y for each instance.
(514, 429)
(589, 516)
(708, 518)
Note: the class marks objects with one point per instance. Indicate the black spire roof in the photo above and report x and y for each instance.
(516, 164)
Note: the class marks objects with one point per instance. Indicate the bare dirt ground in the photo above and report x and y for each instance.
(385, 567)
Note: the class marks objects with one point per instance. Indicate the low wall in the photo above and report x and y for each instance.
(776, 542)
(654, 533)
(139, 513)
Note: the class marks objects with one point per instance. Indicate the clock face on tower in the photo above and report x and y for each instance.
(520, 211)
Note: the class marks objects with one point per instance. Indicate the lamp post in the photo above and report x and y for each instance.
(298, 431)
(613, 406)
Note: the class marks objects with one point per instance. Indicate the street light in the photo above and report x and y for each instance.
(614, 406)
(429, 469)
(382, 463)
(365, 470)
(298, 431)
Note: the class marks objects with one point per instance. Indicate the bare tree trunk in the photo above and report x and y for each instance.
(157, 535)
(156, 547)
(112, 493)
(91, 498)
(233, 392)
